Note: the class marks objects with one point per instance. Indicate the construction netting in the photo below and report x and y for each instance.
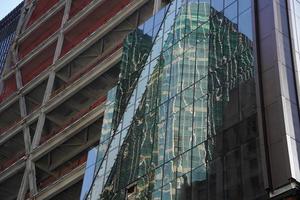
(38, 64)
(78, 5)
(103, 13)
(41, 7)
(43, 32)
(9, 87)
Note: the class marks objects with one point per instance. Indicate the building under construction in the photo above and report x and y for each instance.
(150, 99)
(58, 60)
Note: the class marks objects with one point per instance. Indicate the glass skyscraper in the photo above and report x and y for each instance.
(182, 123)
(150, 100)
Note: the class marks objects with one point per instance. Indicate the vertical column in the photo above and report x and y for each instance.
(29, 13)
(278, 97)
(30, 166)
(27, 141)
(50, 83)
(24, 187)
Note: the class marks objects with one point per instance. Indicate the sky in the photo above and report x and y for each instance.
(6, 6)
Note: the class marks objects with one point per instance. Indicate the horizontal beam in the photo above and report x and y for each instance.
(99, 33)
(9, 133)
(68, 132)
(6, 103)
(41, 20)
(75, 151)
(64, 182)
(66, 93)
(12, 170)
(39, 49)
(84, 80)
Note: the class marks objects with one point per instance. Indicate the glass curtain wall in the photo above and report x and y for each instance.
(8, 27)
(184, 125)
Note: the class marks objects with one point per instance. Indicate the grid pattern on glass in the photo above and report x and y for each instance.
(92, 191)
(124, 99)
(193, 133)
(4, 47)
(7, 32)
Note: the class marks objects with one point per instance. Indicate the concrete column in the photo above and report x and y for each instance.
(24, 186)
(22, 19)
(61, 33)
(38, 131)
(278, 97)
(50, 83)
(30, 170)
(29, 178)
(27, 140)
(30, 8)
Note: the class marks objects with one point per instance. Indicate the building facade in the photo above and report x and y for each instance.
(150, 99)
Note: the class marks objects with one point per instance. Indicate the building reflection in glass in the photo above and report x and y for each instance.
(188, 125)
